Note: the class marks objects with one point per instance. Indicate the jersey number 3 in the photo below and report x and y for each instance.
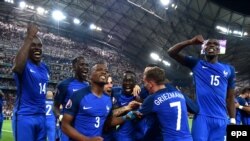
(97, 124)
(178, 105)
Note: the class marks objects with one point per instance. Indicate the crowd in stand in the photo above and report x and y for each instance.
(58, 53)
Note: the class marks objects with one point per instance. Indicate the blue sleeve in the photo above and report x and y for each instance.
(147, 105)
(73, 103)
(144, 93)
(192, 107)
(61, 93)
(231, 80)
(241, 101)
(191, 61)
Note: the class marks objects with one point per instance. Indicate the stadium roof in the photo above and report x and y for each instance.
(138, 27)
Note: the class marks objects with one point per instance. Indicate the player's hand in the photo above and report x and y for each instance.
(237, 105)
(136, 90)
(197, 40)
(95, 139)
(32, 30)
(137, 114)
(133, 105)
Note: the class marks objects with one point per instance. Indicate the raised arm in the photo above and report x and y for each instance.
(23, 53)
(174, 51)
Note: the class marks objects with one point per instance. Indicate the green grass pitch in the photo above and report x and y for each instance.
(7, 130)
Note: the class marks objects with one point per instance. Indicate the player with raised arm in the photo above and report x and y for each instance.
(215, 83)
(168, 105)
(50, 117)
(31, 76)
(66, 88)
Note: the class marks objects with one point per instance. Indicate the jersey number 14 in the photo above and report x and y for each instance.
(42, 88)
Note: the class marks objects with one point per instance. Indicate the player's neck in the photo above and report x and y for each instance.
(80, 79)
(97, 90)
(158, 87)
(212, 59)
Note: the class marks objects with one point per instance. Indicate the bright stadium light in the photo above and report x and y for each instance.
(245, 33)
(166, 63)
(191, 73)
(165, 2)
(40, 10)
(22, 4)
(92, 27)
(58, 15)
(98, 28)
(9, 1)
(76, 21)
(155, 56)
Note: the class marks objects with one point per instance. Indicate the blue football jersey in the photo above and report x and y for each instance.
(238, 116)
(171, 111)
(244, 115)
(66, 88)
(127, 128)
(31, 89)
(90, 111)
(212, 82)
(49, 110)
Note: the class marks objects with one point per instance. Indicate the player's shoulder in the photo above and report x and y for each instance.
(66, 82)
(226, 64)
(83, 92)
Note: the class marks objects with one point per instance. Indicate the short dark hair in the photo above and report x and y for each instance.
(244, 90)
(75, 60)
(155, 74)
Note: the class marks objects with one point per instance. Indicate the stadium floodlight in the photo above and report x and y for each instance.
(40, 10)
(191, 73)
(166, 63)
(165, 2)
(58, 15)
(173, 5)
(245, 34)
(76, 21)
(92, 26)
(155, 56)
(22, 4)
(98, 28)
(9, 1)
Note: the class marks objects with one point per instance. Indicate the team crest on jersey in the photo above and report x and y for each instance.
(225, 73)
(69, 104)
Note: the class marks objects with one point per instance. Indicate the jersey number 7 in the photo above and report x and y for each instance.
(178, 105)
